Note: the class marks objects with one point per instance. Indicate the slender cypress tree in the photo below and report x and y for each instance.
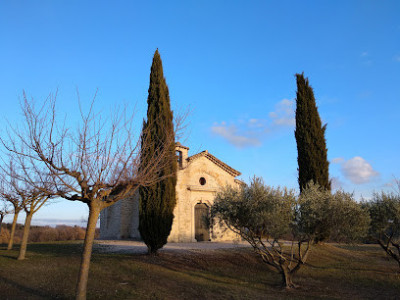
(157, 202)
(310, 138)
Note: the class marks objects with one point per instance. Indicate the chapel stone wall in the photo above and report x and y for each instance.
(121, 220)
(190, 192)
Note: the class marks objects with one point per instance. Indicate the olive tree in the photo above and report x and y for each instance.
(262, 216)
(280, 226)
(384, 209)
(348, 220)
(96, 163)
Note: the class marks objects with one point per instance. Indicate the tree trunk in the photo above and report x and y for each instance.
(152, 251)
(94, 212)
(287, 277)
(14, 223)
(1, 221)
(386, 247)
(25, 236)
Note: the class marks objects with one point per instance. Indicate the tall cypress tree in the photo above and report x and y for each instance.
(157, 202)
(310, 137)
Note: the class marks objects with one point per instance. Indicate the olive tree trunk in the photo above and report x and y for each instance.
(14, 224)
(24, 243)
(385, 246)
(81, 288)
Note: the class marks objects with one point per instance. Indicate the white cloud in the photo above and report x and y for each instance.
(364, 54)
(230, 133)
(397, 58)
(358, 170)
(251, 132)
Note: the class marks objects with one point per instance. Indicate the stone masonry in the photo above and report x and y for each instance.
(199, 177)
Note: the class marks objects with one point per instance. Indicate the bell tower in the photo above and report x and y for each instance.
(182, 155)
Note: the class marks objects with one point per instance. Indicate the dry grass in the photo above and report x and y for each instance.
(358, 272)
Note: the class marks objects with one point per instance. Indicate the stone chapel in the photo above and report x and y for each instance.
(199, 177)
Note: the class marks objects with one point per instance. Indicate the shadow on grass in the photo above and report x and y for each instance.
(57, 248)
(346, 268)
(30, 291)
(261, 279)
(360, 248)
(13, 257)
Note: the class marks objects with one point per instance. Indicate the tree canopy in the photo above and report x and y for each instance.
(384, 210)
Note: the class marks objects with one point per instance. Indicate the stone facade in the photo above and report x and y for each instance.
(199, 177)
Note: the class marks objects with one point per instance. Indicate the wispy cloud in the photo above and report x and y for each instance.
(284, 113)
(337, 160)
(364, 94)
(231, 134)
(366, 58)
(396, 58)
(390, 184)
(394, 185)
(251, 132)
(336, 183)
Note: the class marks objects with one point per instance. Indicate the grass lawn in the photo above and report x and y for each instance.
(50, 272)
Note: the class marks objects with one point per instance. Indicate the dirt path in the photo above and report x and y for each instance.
(116, 246)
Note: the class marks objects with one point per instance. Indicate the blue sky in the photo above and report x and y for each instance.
(233, 64)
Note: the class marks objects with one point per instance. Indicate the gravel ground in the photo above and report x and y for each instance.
(135, 247)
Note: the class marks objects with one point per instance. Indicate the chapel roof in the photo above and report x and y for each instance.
(216, 161)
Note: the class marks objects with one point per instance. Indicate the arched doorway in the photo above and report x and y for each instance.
(202, 222)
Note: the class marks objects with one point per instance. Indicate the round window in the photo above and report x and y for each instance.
(202, 181)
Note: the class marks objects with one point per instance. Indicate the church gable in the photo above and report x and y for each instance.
(202, 174)
(216, 161)
(205, 172)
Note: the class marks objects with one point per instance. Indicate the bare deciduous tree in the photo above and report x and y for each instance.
(4, 210)
(97, 164)
(32, 200)
(7, 192)
(25, 191)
